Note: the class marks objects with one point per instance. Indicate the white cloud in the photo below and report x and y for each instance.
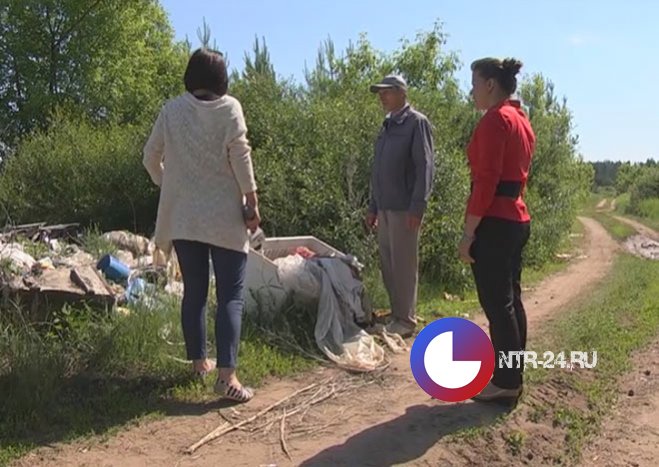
(581, 39)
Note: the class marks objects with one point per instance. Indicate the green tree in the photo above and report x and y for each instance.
(645, 187)
(112, 60)
(627, 175)
(89, 174)
(559, 179)
(312, 148)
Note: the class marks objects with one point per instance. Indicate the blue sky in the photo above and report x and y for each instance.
(601, 55)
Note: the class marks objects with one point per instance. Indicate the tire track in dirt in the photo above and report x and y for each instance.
(630, 437)
(405, 424)
(640, 228)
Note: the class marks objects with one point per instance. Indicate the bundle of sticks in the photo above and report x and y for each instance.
(297, 403)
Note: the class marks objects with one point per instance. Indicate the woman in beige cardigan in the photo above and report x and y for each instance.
(199, 156)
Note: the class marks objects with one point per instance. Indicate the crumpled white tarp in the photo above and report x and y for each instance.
(14, 253)
(339, 295)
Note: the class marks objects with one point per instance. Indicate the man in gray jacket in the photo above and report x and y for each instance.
(401, 183)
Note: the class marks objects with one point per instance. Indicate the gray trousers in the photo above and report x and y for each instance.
(399, 261)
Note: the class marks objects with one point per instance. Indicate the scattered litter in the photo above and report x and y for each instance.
(43, 264)
(331, 282)
(126, 257)
(139, 291)
(394, 341)
(450, 298)
(304, 252)
(297, 275)
(315, 274)
(67, 274)
(113, 269)
(71, 256)
(41, 231)
(136, 244)
(17, 258)
(643, 247)
(55, 246)
(174, 288)
(78, 285)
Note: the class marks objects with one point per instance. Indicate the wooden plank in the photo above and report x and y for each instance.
(88, 279)
(81, 281)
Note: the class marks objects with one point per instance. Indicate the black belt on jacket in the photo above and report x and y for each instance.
(509, 189)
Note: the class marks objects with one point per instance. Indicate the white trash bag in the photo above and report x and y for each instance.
(330, 283)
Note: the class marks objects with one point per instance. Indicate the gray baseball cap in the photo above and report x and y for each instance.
(390, 81)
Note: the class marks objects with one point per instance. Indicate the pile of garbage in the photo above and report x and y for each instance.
(343, 308)
(43, 266)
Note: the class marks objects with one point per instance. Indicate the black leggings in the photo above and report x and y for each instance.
(497, 251)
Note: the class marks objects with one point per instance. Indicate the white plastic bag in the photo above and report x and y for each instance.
(295, 274)
(13, 252)
(330, 282)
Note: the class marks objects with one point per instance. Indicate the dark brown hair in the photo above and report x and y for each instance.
(503, 71)
(207, 70)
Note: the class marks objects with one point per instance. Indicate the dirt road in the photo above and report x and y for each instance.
(630, 437)
(395, 415)
(640, 228)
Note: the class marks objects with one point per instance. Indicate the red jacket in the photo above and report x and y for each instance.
(500, 149)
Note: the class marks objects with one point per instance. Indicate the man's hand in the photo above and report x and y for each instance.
(371, 221)
(414, 222)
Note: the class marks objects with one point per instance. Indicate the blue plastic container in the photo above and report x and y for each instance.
(113, 268)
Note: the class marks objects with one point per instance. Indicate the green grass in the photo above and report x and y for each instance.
(618, 230)
(94, 243)
(648, 210)
(88, 373)
(622, 203)
(617, 319)
(435, 303)
(515, 441)
(648, 213)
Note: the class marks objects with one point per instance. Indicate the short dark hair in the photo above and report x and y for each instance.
(207, 70)
(503, 71)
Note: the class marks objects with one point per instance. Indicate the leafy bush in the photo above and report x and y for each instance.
(559, 179)
(645, 192)
(646, 187)
(649, 208)
(312, 148)
(78, 172)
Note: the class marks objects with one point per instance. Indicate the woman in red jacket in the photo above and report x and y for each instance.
(497, 222)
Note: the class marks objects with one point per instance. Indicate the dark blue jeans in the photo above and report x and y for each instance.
(229, 267)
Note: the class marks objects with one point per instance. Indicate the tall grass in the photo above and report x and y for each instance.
(86, 373)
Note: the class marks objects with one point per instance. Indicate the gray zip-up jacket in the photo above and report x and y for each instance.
(404, 165)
